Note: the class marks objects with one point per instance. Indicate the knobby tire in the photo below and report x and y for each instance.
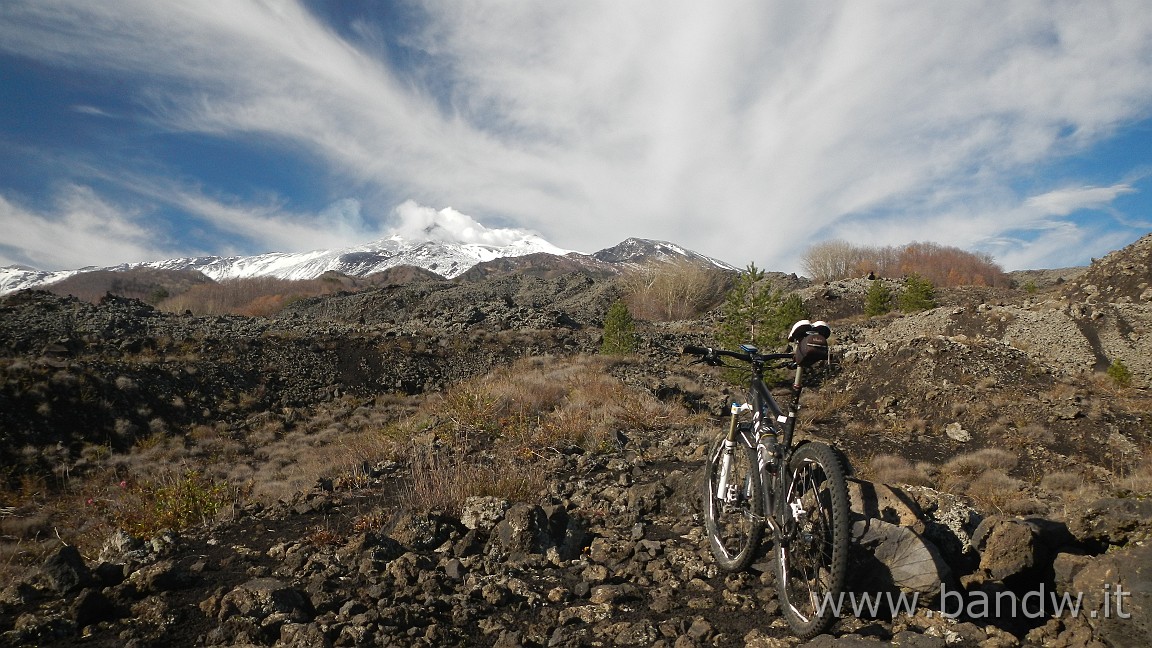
(733, 519)
(812, 557)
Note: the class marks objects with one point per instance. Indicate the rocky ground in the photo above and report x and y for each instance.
(984, 432)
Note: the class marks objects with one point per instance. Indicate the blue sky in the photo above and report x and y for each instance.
(135, 130)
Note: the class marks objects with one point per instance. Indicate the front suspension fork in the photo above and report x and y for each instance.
(728, 446)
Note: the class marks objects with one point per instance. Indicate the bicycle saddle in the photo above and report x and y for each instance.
(804, 327)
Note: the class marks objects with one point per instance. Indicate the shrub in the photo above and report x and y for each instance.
(943, 265)
(171, 501)
(1119, 373)
(254, 296)
(674, 290)
(833, 260)
(919, 294)
(878, 300)
(619, 331)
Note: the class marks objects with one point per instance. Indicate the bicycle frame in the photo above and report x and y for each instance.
(771, 438)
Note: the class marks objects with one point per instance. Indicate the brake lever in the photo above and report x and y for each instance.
(710, 361)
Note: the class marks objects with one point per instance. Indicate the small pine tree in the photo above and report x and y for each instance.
(619, 331)
(919, 294)
(1120, 374)
(758, 314)
(787, 312)
(878, 300)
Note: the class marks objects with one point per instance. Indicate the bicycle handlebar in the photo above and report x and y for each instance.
(711, 355)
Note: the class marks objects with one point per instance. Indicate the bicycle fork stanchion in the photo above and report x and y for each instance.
(729, 446)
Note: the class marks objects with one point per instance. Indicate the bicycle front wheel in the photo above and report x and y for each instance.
(812, 556)
(733, 504)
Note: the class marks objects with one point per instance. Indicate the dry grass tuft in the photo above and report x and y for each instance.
(321, 535)
(995, 490)
(958, 473)
(443, 480)
(1138, 481)
(823, 406)
(1062, 482)
(1068, 487)
(894, 469)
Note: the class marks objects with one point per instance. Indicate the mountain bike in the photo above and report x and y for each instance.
(755, 477)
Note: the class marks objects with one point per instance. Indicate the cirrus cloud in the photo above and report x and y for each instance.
(743, 130)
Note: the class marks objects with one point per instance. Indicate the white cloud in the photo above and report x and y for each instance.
(743, 130)
(420, 223)
(1062, 202)
(247, 227)
(81, 230)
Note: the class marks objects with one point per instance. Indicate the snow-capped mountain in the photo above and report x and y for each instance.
(638, 251)
(446, 259)
(13, 278)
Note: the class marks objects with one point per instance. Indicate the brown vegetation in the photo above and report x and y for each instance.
(944, 266)
(673, 290)
(255, 297)
(471, 439)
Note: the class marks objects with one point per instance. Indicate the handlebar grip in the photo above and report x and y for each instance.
(695, 350)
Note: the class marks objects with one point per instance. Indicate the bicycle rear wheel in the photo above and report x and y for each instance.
(733, 504)
(812, 556)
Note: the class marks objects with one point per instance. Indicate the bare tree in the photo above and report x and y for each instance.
(673, 290)
(940, 264)
(834, 259)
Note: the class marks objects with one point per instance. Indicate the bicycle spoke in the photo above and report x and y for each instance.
(812, 556)
(732, 505)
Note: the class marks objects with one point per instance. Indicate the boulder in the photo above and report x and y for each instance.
(483, 512)
(265, 599)
(887, 556)
(889, 550)
(1113, 521)
(523, 530)
(890, 504)
(1007, 548)
(421, 531)
(950, 521)
(1016, 547)
(1117, 596)
(66, 571)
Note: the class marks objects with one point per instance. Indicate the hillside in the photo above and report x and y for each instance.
(331, 452)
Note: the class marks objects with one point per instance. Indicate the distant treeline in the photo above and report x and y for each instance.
(941, 264)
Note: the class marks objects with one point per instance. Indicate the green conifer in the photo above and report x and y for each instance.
(619, 331)
(919, 294)
(878, 300)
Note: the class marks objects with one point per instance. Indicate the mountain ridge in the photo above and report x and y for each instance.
(445, 258)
